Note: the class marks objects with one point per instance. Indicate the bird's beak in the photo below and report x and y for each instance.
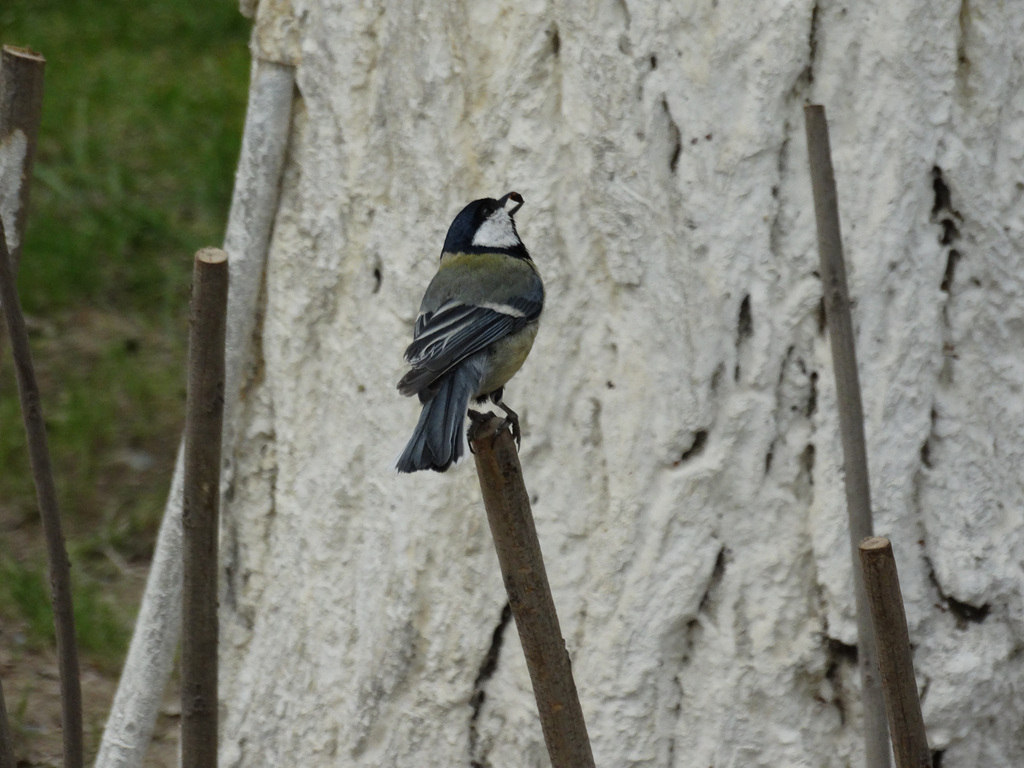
(514, 199)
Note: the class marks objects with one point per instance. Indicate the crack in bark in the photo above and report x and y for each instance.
(677, 710)
(812, 42)
(949, 220)
(803, 82)
(775, 230)
(378, 274)
(675, 138)
(700, 439)
(963, 63)
(488, 666)
(838, 654)
(812, 394)
(943, 212)
(964, 613)
(744, 330)
(691, 630)
(232, 554)
(684, 650)
(918, 480)
(236, 577)
(717, 574)
(798, 91)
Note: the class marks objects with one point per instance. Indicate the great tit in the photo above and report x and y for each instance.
(476, 325)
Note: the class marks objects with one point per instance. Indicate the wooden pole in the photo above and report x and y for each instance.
(529, 595)
(6, 741)
(895, 660)
(46, 493)
(21, 106)
(204, 421)
(851, 418)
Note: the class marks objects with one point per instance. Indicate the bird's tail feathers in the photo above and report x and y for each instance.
(437, 441)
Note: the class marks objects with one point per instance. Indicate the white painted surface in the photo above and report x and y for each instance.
(703, 583)
(12, 158)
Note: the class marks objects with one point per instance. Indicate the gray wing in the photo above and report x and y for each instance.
(454, 331)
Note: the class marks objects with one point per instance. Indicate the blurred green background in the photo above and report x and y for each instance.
(143, 109)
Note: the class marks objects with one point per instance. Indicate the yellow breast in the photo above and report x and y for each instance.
(505, 357)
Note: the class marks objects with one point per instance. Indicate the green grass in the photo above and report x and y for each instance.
(100, 626)
(141, 124)
(142, 121)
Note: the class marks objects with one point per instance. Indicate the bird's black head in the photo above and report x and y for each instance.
(486, 225)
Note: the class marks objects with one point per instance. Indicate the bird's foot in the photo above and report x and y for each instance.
(511, 420)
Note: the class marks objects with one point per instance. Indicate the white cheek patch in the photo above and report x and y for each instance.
(497, 231)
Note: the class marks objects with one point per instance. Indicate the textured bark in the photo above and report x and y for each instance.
(679, 410)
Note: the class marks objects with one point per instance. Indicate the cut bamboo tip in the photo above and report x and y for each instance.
(211, 255)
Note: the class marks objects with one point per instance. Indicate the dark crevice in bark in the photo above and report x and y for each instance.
(486, 671)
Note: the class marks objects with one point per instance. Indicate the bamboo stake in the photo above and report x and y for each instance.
(204, 422)
(529, 595)
(21, 106)
(46, 492)
(851, 418)
(895, 660)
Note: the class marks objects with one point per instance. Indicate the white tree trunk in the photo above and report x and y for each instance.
(680, 426)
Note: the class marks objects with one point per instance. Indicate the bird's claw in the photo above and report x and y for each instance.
(511, 420)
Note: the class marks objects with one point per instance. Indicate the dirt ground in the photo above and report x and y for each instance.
(31, 688)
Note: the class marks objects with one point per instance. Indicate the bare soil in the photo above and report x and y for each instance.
(31, 688)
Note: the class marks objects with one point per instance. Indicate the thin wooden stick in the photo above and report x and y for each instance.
(895, 660)
(851, 418)
(46, 492)
(529, 595)
(21, 106)
(6, 741)
(204, 422)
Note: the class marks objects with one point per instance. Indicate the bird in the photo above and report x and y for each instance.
(476, 326)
